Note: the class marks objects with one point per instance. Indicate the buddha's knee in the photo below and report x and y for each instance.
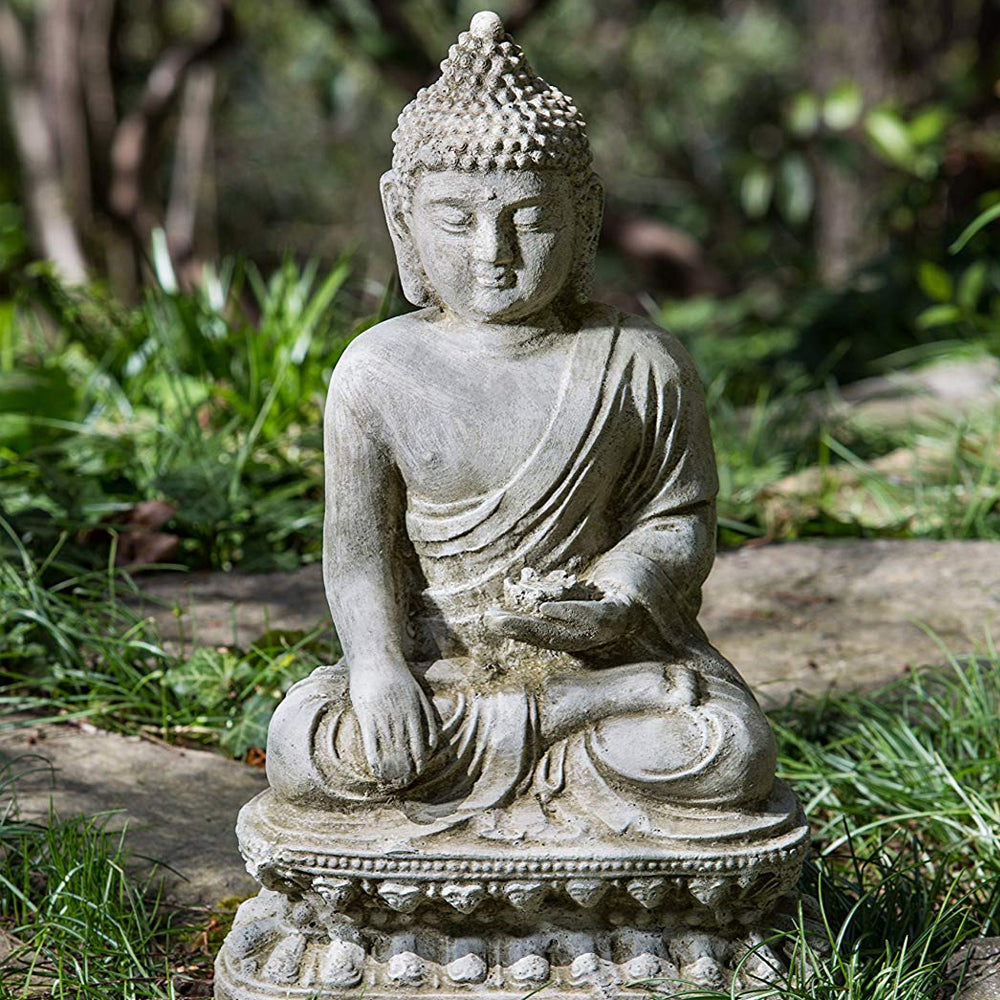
(747, 759)
(303, 736)
(716, 754)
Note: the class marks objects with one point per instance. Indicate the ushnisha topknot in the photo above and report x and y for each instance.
(489, 110)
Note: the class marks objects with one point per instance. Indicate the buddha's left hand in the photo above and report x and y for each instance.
(568, 626)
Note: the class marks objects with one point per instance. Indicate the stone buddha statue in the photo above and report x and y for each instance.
(531, 764)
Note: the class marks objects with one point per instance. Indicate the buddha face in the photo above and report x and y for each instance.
(497, 247)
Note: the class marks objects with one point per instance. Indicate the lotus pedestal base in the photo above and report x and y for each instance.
(456, 914)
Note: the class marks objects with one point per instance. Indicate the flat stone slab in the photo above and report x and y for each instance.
(975, 969)
(180, 805)
(813, 616)
(947, 389)
(233, 609)
(800, 615)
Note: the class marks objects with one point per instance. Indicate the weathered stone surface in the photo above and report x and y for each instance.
(180, 805)
(809, 615)
(233, 609)
(8, 945)
(960, 393)
(947, 389)
(849, 614)
(975, 970)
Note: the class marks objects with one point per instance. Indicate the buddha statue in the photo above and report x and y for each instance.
(530, 765)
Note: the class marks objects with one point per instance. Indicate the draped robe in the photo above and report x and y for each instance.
(619, 487)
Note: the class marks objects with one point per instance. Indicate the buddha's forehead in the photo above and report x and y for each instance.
(496, 187)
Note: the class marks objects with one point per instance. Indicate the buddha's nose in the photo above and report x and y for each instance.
(494, 243)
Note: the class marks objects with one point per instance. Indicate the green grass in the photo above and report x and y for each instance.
(923, 755)
(83, 926)
(785, 475)
(79, 649)
(209, 401)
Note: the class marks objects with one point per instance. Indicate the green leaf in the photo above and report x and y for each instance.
(940, 315)
(843, 106)
(979, 222)
(162, 264)
(8, 333)
(249, 727)
(208, 677)
(756, 190)
(690, 315)
(970, 286)
(803, 114)
(935, 281)
(890, 136)
(928, 125)
(795, 190)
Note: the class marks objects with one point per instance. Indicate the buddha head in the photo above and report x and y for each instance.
(492, 205)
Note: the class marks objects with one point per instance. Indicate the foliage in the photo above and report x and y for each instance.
(743, 345)
(187, 403)
(80, 649)
(854, 759)
(83, 927)
(210, 401)
(785, 476)
(966, 297)
(900, 779)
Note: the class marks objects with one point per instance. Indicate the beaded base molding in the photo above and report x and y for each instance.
(714, 881)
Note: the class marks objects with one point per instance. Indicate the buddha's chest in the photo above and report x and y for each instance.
(464, 430)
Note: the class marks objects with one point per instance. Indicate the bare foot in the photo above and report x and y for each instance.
(573, 701)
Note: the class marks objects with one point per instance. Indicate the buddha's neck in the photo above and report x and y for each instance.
(507, 338)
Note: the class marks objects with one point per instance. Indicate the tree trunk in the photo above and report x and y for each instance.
(132, 139)
(52, 224)
(58, 63)
(95, 68)
(193, 135)
(845, 43)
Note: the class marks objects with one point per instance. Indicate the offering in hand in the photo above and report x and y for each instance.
(527, 594)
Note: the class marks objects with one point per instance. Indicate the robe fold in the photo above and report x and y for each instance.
(619, 488)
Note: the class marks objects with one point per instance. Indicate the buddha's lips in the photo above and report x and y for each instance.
(496, 278)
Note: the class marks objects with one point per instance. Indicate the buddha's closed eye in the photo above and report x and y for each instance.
(454, 220)
(529, 216)
(535, 218)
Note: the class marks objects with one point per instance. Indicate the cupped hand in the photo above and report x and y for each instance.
(399, 729)
(567, 626)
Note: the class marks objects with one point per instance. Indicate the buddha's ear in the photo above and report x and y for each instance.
(590, 214)
(411, 274)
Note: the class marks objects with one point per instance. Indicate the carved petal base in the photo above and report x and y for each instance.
(719, 869)
(283, 949)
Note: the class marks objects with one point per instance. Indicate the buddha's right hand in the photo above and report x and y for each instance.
(398, 726)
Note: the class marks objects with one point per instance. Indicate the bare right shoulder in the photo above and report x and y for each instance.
(379, 357)
(387, 343)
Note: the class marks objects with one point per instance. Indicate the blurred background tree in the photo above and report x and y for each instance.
(784, 180)
(766, 144)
